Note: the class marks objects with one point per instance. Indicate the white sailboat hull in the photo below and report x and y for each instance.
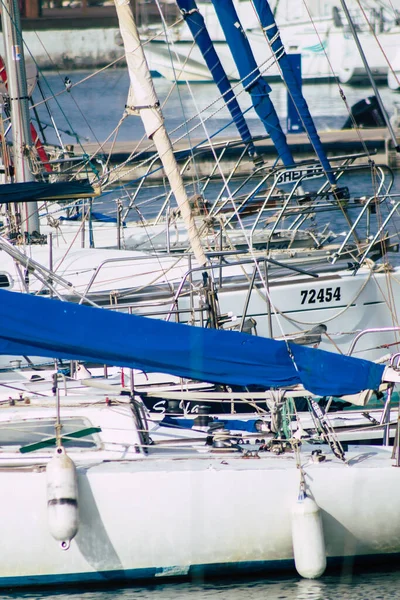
(327, 51)
(166, 517)
(345, 302)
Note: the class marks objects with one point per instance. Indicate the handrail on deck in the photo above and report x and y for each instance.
(368, 331)
(256, 260)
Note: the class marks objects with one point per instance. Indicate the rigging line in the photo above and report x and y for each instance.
(114, 133)
(390, 301)
(132, 154)
(34, 105)
(64, 91)
(372, 30)
(391, 297)
(84, 219)
(120, 166)
(184, 124)
(144, 161)
(395, 10)
(169, 44)
(35, 62)
(114, 141)
(341, 91)
(142, 177)
(164, 273)
(343, 96)
(394, 316)
(112, 63)
(206, 108)
(5, 153)
(288, 91)
(252, 253)
(101, 146)
(370, 77)
(72, 97)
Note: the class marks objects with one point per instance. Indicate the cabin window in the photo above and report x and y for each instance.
(5, 281)
(23, 433)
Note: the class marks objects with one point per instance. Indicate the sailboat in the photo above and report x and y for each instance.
(318, 31)
(114, 498)
(118, 501)
(219, 289)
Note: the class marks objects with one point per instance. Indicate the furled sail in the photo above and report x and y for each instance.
(146, 104)
(30, 325)
(195, 21)
(251, 76)
(270, 28)
(32, 191)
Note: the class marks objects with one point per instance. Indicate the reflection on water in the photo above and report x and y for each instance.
(375, 585)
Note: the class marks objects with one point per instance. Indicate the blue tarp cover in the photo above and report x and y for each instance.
(95, 216)
(30, 325)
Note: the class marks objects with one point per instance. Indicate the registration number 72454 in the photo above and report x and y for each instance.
(320, 296)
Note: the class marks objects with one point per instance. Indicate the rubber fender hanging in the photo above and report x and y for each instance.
(62, 498)
(308, 538)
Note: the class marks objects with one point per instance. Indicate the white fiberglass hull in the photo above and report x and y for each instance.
(326, 53)
(344, 302)
(161, 517)
(155, 517)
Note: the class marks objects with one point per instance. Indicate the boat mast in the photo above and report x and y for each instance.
(18, 97)
(147, 105)
(370, 76)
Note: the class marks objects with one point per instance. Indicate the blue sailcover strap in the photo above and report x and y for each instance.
(251, 77)
(35, 326)
(230, 424)
(270, 27)
(95, 216)
(197, 26)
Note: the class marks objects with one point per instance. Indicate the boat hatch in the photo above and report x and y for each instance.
(32, 431)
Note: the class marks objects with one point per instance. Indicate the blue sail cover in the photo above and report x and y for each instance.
(251, 76)
(30, 325)
(269, 25)
(34, 191)
(197, 26)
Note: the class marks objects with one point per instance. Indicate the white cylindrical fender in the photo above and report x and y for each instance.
(308, 538)
(393, 80)
(62, 498)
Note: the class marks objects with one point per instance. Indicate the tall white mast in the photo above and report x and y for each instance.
(146, 104)
(18, 94)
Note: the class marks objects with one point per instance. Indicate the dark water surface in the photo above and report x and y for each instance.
(95, 105)
(375, 585)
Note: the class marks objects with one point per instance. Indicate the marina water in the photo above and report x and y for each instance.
(95, 105)
(91, 111)
(347, 585)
